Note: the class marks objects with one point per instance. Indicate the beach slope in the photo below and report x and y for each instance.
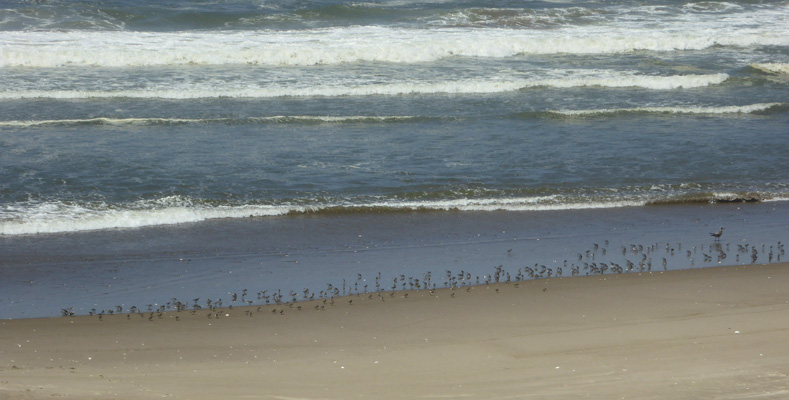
(705, 333)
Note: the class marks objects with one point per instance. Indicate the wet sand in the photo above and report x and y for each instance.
(690, 334)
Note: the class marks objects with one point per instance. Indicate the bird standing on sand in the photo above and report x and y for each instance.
(717, 235)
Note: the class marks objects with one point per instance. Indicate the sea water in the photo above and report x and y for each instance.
(118, 115)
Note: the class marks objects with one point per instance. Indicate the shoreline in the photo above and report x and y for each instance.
(40, 276)
(237, 309)
(699, 333)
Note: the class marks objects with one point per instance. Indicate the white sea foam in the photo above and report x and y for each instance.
(54, 217)
(59, 217)
(155, 121)
(580, 78)
(104, 121)
(353, 44)
(775, 68)
(539, 203)
(746, 109)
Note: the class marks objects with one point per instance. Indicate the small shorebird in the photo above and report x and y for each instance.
(717, 235)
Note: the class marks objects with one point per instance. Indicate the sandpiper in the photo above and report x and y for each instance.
(717, 235)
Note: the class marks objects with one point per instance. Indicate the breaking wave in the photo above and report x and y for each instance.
(690, 109)
(305, 119)
(773, 68)
(608, 79)
(348, 45)
(61, 217)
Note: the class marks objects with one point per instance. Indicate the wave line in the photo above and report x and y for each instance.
(49, 49)
(60, 217)
(179, 121)
(746, 109)
(481, 86)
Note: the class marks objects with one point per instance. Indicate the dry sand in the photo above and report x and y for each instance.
(695, 334)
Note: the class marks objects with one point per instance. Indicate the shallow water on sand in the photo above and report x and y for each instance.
(43, 274)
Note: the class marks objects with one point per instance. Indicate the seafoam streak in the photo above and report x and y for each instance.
(686, 109)
(611, 79)
(774, 68)
(179, 121)
(87, 220)
(56, 217)
(29, 218)
(352, 44)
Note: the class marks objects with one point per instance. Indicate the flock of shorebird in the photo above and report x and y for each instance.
(634, 258)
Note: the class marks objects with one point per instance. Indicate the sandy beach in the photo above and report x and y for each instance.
(400, 199)
(692, 334)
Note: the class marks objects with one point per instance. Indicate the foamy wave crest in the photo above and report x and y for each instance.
(180, 121)
(747, 109)
(610, 79)
(642, 81)
(352, 44)
(60, 217)
(98, 121)
(537, 203)
(57, 217)
(773, 68)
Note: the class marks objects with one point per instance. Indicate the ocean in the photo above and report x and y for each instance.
(139, 135)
